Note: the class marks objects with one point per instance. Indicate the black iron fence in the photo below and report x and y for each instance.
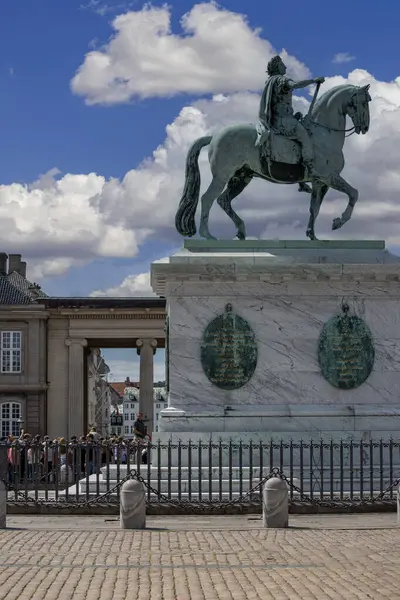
(193, 474)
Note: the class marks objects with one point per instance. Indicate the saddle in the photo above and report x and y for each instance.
(281, 157)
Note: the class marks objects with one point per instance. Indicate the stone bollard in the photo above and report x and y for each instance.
(133, 505)
(275, 503)
(3, 505)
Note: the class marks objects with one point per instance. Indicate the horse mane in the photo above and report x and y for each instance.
(330, 96)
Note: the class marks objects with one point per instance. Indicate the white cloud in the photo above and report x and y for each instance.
(216, 52)
(133, 285)
(343, 57)
(53, 222)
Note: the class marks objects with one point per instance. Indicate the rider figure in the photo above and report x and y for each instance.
(276, 109)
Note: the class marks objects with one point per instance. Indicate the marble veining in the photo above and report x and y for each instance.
(287, 333)
(286, 305)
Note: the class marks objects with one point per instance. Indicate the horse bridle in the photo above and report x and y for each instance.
(351, 129)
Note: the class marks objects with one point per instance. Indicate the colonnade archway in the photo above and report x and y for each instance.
(75, 326)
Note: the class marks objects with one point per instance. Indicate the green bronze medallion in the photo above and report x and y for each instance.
(346, 353)
(229, 351)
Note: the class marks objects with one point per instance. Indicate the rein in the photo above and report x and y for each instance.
(352, 129)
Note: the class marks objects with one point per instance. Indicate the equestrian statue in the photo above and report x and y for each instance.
(282, 147)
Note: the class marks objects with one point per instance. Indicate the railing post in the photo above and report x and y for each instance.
(371, 469)
(331, 461)
(391, 465)
(251, 465)
(179, 470)
(301, 468)
(210, 473)
(3, 504)
(200, 468)
(169, 456)
(398, 505)
(220, 472)
(190, 470)
(291, 467)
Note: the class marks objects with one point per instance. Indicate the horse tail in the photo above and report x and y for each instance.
(184, 219)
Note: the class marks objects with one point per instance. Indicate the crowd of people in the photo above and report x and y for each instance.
(32, 458)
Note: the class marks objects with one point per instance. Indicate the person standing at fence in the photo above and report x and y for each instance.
(82, 455)
(23, 444)
(35, 458)
(94, 433)
(48, 457)
(140, 432)
(13, 456)
(89, 453)
(139, 428)
(120, 452)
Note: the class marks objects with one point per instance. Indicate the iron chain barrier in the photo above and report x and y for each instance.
(358, 470)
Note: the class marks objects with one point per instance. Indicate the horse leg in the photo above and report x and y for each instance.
(214, 189)
(339, 184)
(318, 193)
(235, 186)
(304, 187)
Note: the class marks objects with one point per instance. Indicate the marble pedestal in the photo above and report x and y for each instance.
(286, 291)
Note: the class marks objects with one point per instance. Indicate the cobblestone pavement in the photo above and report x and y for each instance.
(200, 558)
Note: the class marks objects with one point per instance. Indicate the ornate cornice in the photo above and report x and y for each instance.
(108, 316)
(274, 274)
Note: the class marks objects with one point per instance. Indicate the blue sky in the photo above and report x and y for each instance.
(46, 123)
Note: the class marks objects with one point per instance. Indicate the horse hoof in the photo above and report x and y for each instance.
(337, 223)
(311, 235)
(206, 235)
(240, 235)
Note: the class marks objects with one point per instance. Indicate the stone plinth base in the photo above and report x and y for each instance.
(287, 422)
(286, 291)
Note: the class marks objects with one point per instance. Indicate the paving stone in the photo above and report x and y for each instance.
(222, 558)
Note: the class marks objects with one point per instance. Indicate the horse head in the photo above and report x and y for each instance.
(335, 104)
(358, 108)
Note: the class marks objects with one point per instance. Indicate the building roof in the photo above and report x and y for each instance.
(104, 302)
(120, 386)
(15, 290)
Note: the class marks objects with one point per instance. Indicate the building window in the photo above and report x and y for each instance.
(165, 404)
(157, 428)
(10, 413)
(133, 417)
(126, 429)
(156, 416)
(158, 405)
(132, 429)
(10, 351)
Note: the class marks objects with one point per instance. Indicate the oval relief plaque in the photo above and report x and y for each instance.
(346, 353)
(229, 351)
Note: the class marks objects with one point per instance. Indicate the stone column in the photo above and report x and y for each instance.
(76, 383)
(146, 348)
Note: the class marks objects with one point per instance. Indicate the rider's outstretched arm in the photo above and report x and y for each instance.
(295, 85)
